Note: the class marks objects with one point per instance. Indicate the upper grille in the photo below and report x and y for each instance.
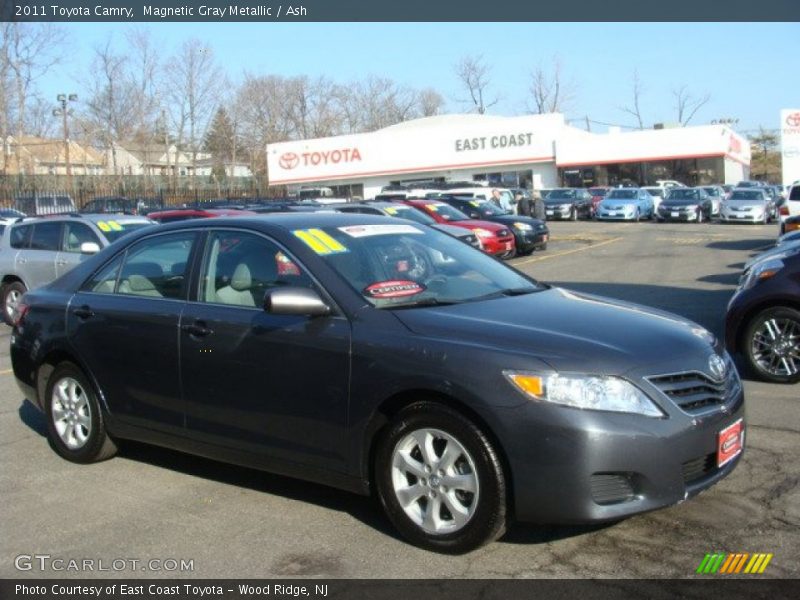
(694, 391)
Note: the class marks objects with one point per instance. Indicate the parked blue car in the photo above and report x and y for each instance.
(626, 204)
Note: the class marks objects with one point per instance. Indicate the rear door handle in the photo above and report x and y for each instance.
(84, 312)
(197, 329)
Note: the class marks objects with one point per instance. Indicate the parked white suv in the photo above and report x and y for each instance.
(791, 206)
(36, 250)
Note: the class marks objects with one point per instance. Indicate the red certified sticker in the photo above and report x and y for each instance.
(395, 288)
(730, 442)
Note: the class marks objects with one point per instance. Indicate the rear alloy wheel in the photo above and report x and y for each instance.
(771, 345)
(12, 294)
(440, 480)
(75, 424)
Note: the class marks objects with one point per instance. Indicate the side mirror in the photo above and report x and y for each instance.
(89, 248)
(295, 301)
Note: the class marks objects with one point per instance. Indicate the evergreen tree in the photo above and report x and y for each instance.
(220, 140)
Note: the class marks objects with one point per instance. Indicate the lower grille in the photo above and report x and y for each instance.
(611, 488)
(698, 468)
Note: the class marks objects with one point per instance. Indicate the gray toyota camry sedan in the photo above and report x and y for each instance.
(380, 356)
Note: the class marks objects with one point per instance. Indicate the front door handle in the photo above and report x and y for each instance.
(83, 313)
(197, 329)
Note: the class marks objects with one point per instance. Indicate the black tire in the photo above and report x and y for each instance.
(488, 517)
(787, 318)
(97, 445)
(8, 292)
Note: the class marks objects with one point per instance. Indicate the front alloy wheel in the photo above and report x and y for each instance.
(12, 294)
(772, 345)
(439, 479)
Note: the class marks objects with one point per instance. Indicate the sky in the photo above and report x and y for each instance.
(749, 69)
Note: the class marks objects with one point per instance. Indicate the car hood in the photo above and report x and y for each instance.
(668, 203)
(453, 230)
(613, 202)
(745, 203)
(511, 219)
(475, 223)
(571, 331)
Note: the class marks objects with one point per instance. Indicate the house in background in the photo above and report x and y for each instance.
(134, 158)
(205, 167)
(31, 155)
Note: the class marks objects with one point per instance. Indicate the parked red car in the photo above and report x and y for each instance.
(497, 239)
(598, 193)
(184, 214)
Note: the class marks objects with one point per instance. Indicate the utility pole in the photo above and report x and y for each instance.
(63, 99)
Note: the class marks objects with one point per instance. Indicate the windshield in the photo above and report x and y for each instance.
(488, 209)
(712, 191)
(561, 195)
(655, 191)
(746, 195)
(114, 233)
(623, 194)
(682, 194)
(412, 214)
(403, 265)
(447, 212)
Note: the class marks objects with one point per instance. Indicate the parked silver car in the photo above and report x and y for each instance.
(35, 251)
(748, 205)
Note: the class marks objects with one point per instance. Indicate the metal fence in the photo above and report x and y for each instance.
(44, 194)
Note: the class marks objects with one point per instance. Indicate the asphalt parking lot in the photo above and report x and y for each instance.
(150, 503)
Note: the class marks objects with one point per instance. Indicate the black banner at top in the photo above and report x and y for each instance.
(396, 10)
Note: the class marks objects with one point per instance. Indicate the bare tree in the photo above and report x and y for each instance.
(313, 108)
(193, 80)
(687, 105)
(549, 90)
(143, 72)
(430, 102)
(111, 109)
(27, 52)
(39, 121)
(473, 73)
(635, 108)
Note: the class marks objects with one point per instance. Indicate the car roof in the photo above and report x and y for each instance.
(285, 221)
(97, 217)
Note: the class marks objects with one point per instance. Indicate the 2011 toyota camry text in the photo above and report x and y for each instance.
(378, 355)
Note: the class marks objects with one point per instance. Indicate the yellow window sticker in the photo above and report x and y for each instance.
(433, 207)
(115, 226)
(391, 211)
(475, 204)
(103, 226)
(319, 241)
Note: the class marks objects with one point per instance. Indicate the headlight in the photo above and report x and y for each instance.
(589, 392)
(523, 226)
(761, 271)
(483, 233)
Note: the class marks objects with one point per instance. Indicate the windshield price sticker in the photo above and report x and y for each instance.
(396, 288)
(359, 231)
(320, 242)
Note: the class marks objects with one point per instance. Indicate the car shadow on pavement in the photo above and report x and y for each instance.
(33, 418)
(744, 244)
(723, 278)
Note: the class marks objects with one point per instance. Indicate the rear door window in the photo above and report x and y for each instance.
(21, 236)
(46, 236)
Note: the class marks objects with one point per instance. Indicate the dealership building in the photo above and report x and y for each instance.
(533, 151)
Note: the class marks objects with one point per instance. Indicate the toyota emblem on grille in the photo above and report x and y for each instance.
(716, 367)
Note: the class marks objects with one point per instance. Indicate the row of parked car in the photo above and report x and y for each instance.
(35, 251)
(741, 204)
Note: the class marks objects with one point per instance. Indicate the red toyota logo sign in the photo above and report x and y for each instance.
(288, 160)
(793, 120)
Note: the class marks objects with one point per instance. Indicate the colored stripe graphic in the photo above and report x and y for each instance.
(738, 562)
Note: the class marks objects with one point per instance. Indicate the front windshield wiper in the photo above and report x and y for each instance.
(419, 303)
(519, 291)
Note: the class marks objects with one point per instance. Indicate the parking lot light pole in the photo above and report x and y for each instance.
(63, 99)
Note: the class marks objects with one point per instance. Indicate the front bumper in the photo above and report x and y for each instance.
(741, 217)
(611, 215)
(567, 464)
(498, 246)
(531, 240)
(680, 215)
(558, 212)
